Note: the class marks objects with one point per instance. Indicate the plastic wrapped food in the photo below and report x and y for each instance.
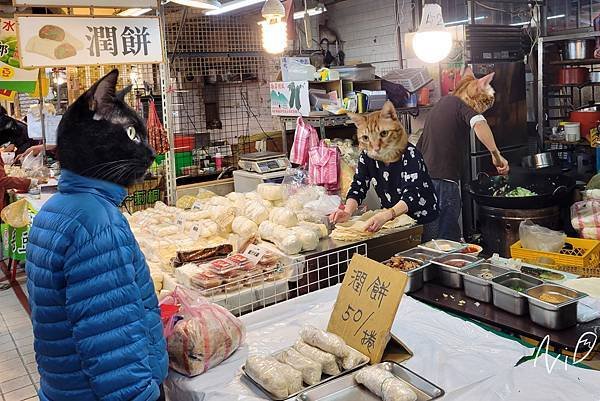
(384, 384)
(271, 192)
(308, 237)
(186, 202)
(206, 336)
(277, 378)
(311, 370)
(283, 217)
(325, 341)
(244, 227)
(256, 212)
(327, 361)
(354, 359)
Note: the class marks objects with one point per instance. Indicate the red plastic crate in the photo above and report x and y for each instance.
(184, 143)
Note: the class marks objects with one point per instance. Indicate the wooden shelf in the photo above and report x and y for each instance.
(589, 61)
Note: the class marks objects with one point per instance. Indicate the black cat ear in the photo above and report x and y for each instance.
(123, 93)
(102, 95)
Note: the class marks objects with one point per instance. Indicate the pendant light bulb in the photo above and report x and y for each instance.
(274, 28)
(432, 43)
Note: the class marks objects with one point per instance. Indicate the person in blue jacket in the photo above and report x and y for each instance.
(96, 321)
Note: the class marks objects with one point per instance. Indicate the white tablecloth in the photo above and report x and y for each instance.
(468, 362)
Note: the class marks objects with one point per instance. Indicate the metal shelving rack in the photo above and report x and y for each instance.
(324, 122)
(544, 89)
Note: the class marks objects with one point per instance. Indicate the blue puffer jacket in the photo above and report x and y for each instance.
(96, 322)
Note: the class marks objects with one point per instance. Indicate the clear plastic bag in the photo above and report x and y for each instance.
(201, 335)
(32, 163)
(540, 238)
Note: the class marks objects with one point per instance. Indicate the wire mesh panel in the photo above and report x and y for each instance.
(295, 277)
(219, 89)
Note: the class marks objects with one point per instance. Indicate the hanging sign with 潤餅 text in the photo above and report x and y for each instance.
(46, 41)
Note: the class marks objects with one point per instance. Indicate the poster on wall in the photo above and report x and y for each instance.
(86, 3)
(74, 41)
(290, 98)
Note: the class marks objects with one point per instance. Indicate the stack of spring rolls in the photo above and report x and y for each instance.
(315, 354)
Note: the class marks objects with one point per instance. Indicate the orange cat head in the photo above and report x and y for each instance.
(477, 93)
(381, 134)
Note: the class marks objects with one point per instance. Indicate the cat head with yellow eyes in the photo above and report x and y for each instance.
(381, 134)
(477, 93)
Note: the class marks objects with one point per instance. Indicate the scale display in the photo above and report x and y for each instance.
(262, 163)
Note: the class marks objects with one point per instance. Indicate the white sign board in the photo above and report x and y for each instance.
(73, 41)
(86, 3)
(34, 128)
(290, 98)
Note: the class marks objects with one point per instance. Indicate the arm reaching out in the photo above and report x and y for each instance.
(485, 135)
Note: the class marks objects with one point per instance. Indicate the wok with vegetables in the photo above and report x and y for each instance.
(522, 191)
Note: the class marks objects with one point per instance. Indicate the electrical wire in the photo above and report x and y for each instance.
(479, 3)
(250, 112)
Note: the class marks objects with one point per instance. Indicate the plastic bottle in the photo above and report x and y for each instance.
(218, 161)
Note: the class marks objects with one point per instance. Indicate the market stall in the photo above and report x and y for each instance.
(464, 359)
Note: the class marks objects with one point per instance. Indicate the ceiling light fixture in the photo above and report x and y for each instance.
(134, 12)
(234, 5)
(274, 28)
(203, 4)
(432, 43)
(529, 22)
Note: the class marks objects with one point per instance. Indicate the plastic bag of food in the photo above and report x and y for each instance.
(585, 218)
(16, 214)
(384, 384)
(32, 163)
(540, 238)
(206, 336)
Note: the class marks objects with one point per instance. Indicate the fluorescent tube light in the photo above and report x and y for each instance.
(311, 12)
(134, 12)
(463, 21)
(203, 4)
(529, 22)
(234, 5)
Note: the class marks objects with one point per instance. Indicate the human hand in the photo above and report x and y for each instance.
(34, 151)
(375, 223)
(500, 163)
(339, 216)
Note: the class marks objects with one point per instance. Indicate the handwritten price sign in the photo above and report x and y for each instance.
(366, 306)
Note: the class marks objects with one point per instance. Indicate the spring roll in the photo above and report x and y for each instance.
(384, 384)
(327, 361)
(325, 341)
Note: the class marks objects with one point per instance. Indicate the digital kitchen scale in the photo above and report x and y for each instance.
(264, 162)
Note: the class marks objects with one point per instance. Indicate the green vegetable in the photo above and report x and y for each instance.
(520, 192)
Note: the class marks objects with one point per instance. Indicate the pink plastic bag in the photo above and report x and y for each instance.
(201, 335)
(305, 139)
(324, 166)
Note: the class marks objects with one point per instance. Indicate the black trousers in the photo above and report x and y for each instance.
(162, 394)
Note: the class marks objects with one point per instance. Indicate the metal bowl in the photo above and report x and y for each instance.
(539, 161)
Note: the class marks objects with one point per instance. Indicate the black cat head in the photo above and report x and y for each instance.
(8, 127)
(101, 137)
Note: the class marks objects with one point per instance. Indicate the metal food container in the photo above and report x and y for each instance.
(448, 270)
(478, 280)
(506, 296)
(427, 256)
(415, 276)
(346, 389)
(443, 246)
(559, 314)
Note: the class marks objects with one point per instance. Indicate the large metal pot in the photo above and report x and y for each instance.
(588, 117)
(539, 161)
(579, 49)
(573, 75)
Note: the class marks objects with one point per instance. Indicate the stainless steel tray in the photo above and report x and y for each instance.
(423, 254)
(415, 276)
(554, 316)
(507, 298)
(449, 275)
(478, 280)
(346, 389)
(324, 379)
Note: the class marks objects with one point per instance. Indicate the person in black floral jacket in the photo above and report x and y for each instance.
(396, 169)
